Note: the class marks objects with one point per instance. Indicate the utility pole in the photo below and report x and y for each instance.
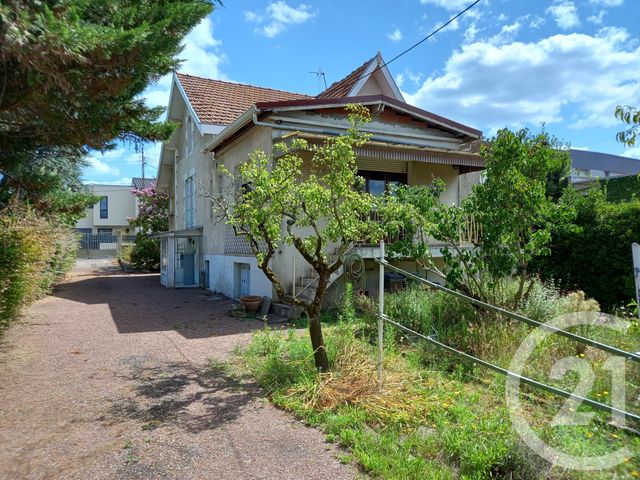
(143, 160)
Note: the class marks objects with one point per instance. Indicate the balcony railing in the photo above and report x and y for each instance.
(469, 233)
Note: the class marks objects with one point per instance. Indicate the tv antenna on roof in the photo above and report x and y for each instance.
(319, 74)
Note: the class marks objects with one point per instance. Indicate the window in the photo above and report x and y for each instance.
(211, 204)
(189, 135)
(189, 203)
(104, 207)
(377, 183)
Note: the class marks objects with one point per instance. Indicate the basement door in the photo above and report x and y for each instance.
(243, 286)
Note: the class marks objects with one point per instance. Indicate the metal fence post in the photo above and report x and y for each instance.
(381, 312)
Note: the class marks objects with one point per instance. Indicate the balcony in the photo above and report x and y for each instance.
(469, 236)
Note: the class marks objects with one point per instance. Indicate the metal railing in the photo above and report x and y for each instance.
(469, 232)
(302, 283)
(515, 316)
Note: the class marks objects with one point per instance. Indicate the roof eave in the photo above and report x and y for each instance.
(371, 100)
(230, 130)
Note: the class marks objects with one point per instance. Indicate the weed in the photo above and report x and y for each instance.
(425, 422)
(152, 425)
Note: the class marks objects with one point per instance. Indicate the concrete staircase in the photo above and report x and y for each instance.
(306, 284)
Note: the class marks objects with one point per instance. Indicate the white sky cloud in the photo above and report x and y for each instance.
(537, 21)
(252, 17)
(447, 4)
(633, 152)
(493, 86)
(278, 16)
(202, 57)
(452, 27)
(506, 35)
(395, 36)
(99, 167)
(597, 19)
(120, 181)
(607, 3)
(471, 33)
(564, 13)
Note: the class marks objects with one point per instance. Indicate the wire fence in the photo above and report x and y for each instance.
(529, 381)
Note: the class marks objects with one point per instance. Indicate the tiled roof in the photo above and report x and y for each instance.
(219, 103)
(342, 87)
(141, 183)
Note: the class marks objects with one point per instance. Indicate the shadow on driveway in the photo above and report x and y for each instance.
(138, 303)
(181, 395)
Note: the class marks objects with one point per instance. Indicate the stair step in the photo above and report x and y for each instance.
(286, 311)
(274, 319)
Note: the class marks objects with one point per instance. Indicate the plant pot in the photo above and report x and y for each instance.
(251, 303)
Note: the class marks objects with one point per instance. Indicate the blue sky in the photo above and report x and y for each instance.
(513, 63)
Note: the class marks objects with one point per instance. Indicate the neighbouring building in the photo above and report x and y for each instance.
(112, 212)
(221, 123)
(588, 167)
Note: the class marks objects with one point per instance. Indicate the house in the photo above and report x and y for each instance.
(221, 123)
(112, 212)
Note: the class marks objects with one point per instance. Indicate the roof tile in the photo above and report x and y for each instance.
(342, 87)
(140, 183)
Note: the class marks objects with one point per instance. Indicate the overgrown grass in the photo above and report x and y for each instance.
(435, 416)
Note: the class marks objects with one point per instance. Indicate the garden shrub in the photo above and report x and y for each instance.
(153, 217)
(35, 252)
(596, 258)
(145, 253)
(621, 189)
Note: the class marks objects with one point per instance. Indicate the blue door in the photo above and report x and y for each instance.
(188, 268)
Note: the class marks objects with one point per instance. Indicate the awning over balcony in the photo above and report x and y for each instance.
(404, 153)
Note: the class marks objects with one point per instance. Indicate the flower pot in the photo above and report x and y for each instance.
(251, 303)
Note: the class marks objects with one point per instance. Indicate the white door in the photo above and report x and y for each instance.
(244, 279)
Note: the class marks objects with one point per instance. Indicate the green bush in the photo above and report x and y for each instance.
(35, 252)
(145, 253)
(621, 189)
(597, 257)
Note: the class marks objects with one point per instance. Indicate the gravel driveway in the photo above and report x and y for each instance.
(113, 376)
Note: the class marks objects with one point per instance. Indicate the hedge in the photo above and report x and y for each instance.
(621, 189)
(35, 252)
(596, 258)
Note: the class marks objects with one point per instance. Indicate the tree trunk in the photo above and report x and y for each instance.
(317, 340)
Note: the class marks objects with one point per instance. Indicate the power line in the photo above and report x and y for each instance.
(451, 20)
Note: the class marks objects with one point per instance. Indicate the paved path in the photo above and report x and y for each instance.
(111, 377)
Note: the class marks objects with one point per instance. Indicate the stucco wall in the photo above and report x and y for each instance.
(258, 138)
(121, 205)
(420, 173)
(467, 181)
(198, 165)
(222, 275)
